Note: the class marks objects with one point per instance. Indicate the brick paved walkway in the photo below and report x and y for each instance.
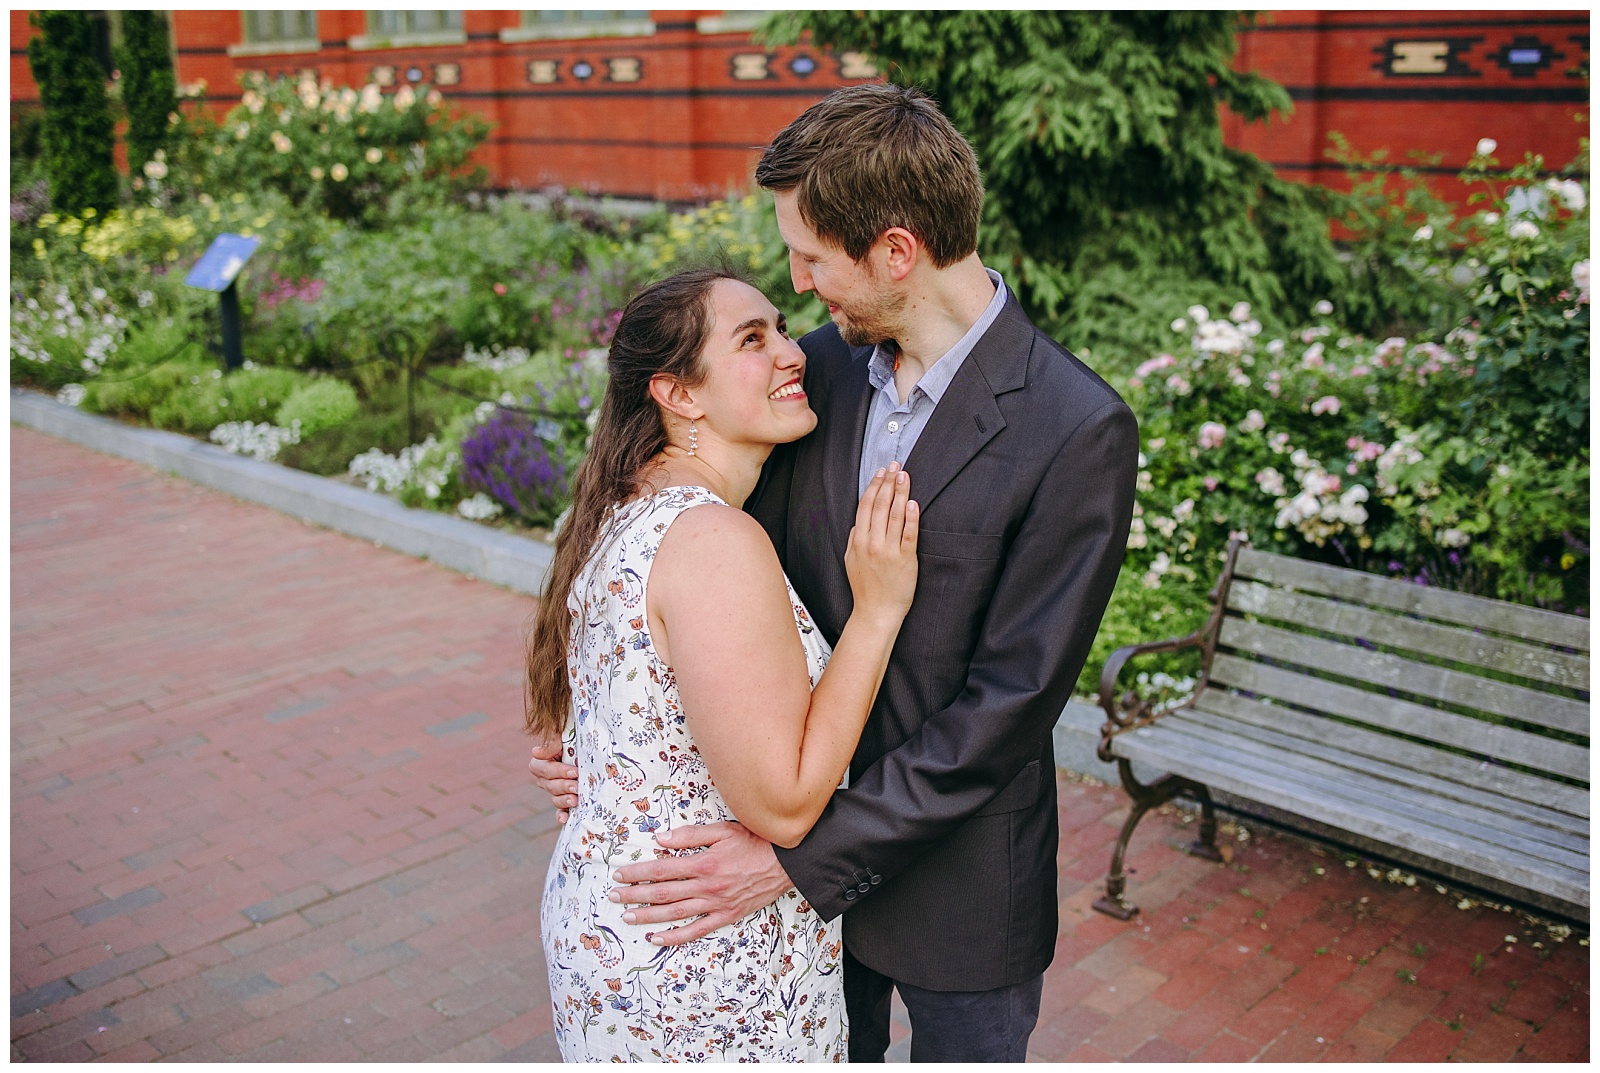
(269, 803)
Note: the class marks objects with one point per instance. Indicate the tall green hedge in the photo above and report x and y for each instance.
(149, 87)
(78, 136)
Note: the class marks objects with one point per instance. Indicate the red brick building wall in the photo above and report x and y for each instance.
(680, 113)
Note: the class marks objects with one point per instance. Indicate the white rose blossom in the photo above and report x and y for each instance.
(1487, 146)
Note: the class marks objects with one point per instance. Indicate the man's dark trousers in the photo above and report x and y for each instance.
(946, 1026)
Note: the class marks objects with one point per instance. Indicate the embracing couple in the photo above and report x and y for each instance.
(810, 624)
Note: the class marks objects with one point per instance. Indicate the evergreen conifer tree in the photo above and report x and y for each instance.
(149, 86)
(78, 133)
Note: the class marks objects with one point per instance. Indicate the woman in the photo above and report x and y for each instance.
(690, 685)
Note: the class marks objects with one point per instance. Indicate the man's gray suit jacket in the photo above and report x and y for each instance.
(942, 853)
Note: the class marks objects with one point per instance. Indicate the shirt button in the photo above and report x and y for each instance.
(894, 426)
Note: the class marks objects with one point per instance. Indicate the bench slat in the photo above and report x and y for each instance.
(1381, 627)
(1553, 798)
(1407, 675)
(1568, 631)
(1405, 717)
(1476, 816)
(1220, 770)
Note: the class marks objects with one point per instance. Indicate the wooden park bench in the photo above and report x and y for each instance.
(1445, 732)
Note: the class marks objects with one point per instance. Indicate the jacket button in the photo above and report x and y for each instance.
(863, 886)
(849, 894)
(876, 880)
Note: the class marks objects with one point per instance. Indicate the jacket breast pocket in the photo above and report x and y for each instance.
(978, 547)
(1021, 792)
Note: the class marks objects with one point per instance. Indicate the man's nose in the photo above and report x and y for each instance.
(798, 275)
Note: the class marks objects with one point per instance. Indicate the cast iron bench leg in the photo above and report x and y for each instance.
(1146, 798)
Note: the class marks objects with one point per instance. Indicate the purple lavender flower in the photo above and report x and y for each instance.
(505, 458)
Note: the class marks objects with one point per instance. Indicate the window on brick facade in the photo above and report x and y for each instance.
(552, 18)
(274, 27)
(401, 23)
(536, 25)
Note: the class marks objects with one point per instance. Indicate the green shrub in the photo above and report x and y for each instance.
(77, 137)
(321, 404)
(148, 87)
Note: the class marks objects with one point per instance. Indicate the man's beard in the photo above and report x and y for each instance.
(872, 321)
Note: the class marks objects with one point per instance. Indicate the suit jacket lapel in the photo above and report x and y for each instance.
(849, 398)
(968, 417)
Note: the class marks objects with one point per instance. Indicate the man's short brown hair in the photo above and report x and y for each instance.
(871, 157)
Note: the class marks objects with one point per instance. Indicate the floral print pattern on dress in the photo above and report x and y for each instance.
(765, 988)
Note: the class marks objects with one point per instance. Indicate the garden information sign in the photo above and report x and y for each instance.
(216, 271)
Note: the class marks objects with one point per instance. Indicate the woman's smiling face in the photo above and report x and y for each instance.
(752, 391)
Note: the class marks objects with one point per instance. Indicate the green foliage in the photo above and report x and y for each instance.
(321, 404)
(744, 232)
(76, 137)
(1102, 152)
(210, 398)
(343, 152)
(149, 86)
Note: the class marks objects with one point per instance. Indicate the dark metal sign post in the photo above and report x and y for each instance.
(217, 270)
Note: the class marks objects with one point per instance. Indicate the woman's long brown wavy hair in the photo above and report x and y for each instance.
(663, 330)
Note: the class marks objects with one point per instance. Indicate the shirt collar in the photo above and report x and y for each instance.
(880, 367)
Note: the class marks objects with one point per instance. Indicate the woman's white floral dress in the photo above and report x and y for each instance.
(766, 988)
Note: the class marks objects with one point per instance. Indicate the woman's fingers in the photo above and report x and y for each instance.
(868, 498)
(882, 500)
(897, 508)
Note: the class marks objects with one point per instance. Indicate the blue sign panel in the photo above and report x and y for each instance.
(222, 261)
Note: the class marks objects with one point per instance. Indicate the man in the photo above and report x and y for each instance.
(941, 852)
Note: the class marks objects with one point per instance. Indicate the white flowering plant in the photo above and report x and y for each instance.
(426, 474)
(343, 150)
(1454, 456)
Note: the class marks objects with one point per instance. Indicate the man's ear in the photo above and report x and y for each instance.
(670, 394)
(900, 250)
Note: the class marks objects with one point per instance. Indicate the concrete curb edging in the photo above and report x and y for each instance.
(518, 563)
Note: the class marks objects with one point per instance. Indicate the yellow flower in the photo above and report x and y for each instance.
(90, 213)
(1568, 561)
(49, 219)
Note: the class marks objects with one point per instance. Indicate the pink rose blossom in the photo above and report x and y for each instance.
(1211, 435)
(1328, 404)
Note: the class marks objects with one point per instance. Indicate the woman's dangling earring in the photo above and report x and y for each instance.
(694, 437)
